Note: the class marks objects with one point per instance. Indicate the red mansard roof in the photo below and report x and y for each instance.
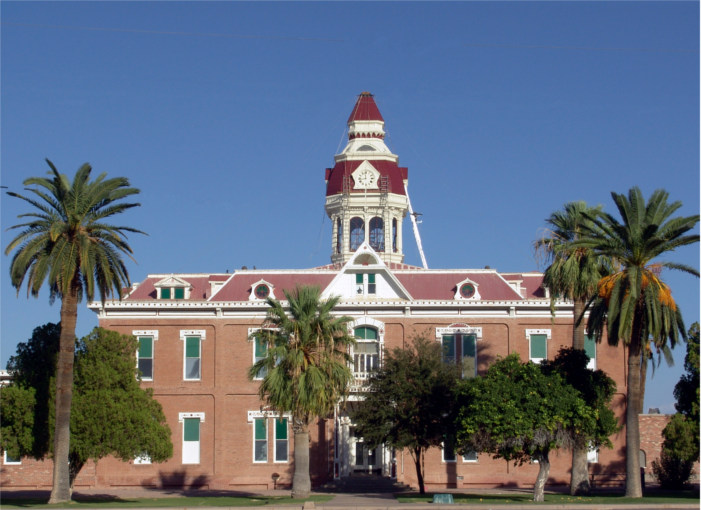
(365, 109)
(240, 286)
(430, 285)
(334, 176)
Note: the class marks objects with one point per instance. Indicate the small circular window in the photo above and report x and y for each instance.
(262, 291)
(467, 290)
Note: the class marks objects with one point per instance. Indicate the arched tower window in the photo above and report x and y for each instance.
(394, 235)
(377, 234)
(339, 235)
(357, 232)
(366, 352)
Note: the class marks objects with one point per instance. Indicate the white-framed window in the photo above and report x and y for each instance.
(365, 284)
(366, 352)
(9, 460)
(282, 450)
(470, 457)
(592, 455)
(142, 459)
(590, 350)
(144, 353)
(191, 436)
(459, 343)
(173, 293)
(448, 450)
(192, 354)
(260, 348)
(260, 439)
(537, 344)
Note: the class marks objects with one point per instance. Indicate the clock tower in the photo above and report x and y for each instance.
(366, 189)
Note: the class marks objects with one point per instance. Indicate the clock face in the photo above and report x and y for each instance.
(365, 178)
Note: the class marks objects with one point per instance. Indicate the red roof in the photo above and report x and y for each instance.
(365, 109)
(240, 286)
(442, 286)
(334, 176)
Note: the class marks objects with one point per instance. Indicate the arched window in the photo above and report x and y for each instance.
(366, 352)
(357, 232)
(394, 235)
(377, 234)
(339, 236)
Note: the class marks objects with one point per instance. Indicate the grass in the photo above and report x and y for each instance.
(167, 502)
(523, 498)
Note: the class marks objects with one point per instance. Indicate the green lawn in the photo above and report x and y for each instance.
(682, 497)
(167, 502)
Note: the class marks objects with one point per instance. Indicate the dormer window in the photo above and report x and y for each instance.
(261, 290)
(173, 288)
(467, 289)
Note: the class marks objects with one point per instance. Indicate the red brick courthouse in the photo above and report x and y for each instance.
(194, 331)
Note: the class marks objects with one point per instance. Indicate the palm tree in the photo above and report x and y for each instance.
(66, 244)
(573, 274)
(306, 367)
(634, 305)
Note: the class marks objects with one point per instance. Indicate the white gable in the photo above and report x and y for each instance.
(365, 276)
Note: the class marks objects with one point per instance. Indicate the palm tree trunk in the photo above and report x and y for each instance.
(643, 377)
(543, 472)
(61, 490)
(301, 483)
(579, 480)
(633, 485)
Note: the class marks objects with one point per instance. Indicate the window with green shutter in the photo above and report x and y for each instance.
(538, 347)
(179, 292)
(165, 293)
(260, 440)
(145, 357)
(469, 355)
(191, 437)
(590, 350)
(260, 348)
(448, 348)
(191, 429)
(192, 358)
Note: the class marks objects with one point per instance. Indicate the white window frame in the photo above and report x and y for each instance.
(529, 334)
(184, 334)
(267, 415)
(190, 452)
(466, 460)
(449, 461)
(153, 333)
(10, 462)
(462, 330)
(267, 439)
(592, 361)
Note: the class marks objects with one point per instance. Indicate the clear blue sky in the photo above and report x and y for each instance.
(226, 114)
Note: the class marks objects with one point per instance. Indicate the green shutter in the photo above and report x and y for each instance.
(371, 277)
(192, 347)
(260, 429)
(365, 333)
(468, 346)
(165, 293)
(358, 277)
(590, 347)
(145, 347)
(448, 347)
(539, 345)
(179, 292)
(191, 429)
(261, 347)
(281, 428)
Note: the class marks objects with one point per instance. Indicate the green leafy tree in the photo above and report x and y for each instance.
(111, 414)
(633, 304)
(680, 448)
(305, 367)
(520, 413)
(573, 273)
(67, 245)
(409, 402)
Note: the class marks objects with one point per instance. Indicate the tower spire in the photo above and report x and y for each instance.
(365, 190)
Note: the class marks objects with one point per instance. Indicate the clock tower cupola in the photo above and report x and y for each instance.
(366, 189)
